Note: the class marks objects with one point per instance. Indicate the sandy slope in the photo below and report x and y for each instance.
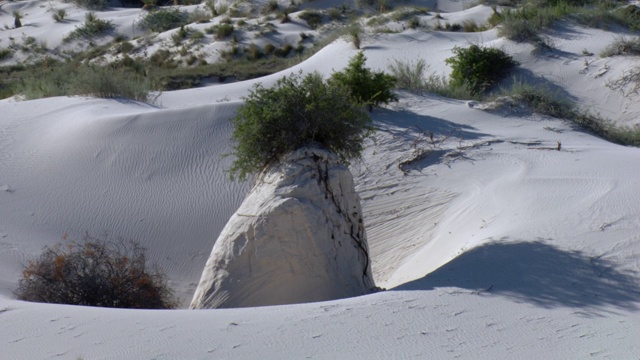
(494, 245)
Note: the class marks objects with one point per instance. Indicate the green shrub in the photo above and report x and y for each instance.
(222, 31)
(355, 33)
(5, 53)
(283, 51)
(269, 48)
(541, 99)
(269, 7)
(92, 27)
(180, 35)
(335, 14)
(59, 15)
(159, 20)
(199, 16)
(95, 273)
(413, 22)
(17, 16)
(253, 52)
(478, 68)
(92, 4)
(366, 87)
(312, 17)
(296, 112)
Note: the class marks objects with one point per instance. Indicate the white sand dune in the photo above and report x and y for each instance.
(494, 245)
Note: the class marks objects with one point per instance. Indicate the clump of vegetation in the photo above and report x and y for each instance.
(92, 27)
(59, 15)
(366, 87)
(199, 16)
(355, 33)
(222, 31)
(622, 46)
(92, 4)
(411, 76)
(180, 35)
(17, 17)
(68, 79)
(478, 68)
(159, 20)
(95, 273)
(270, 7)
(528, 21)
(297, 111)
(543, 100)
(5, 53)
(413, 22)
(405, 13)
(312, 17)
(283, 51)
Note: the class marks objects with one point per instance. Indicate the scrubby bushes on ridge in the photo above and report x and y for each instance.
(478, 68)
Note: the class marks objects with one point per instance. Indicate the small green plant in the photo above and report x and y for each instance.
(17, 16)
(471, 26)
(355, 32)
(180, 35)
(222, 31)
(199, 16)
(413, 22)
(253, 52)
(92, 4)
(296, 112)
(196, 36)
(409, 76)
(283, 51)
(313, 18)
(149, 4)
(284, 17)
(366, 87)
(5, 53)
(335, 14)
(478, 68)
(124, 47)
(269, 49)
(622, 46)
(92, 27)
(270, 7)
(160, 20)
(59, 15)
(95, 273)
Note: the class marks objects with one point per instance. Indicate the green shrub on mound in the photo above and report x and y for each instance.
(478, 68)
(366, 87)
(296, 112)
(160, 20)
(95, 273)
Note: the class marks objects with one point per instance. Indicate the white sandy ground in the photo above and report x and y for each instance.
(494, 245)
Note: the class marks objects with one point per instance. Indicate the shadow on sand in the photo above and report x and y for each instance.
(537, 273)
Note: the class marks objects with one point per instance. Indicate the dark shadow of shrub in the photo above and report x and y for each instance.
(538, 273)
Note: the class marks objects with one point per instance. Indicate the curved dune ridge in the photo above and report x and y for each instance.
(491, 242)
